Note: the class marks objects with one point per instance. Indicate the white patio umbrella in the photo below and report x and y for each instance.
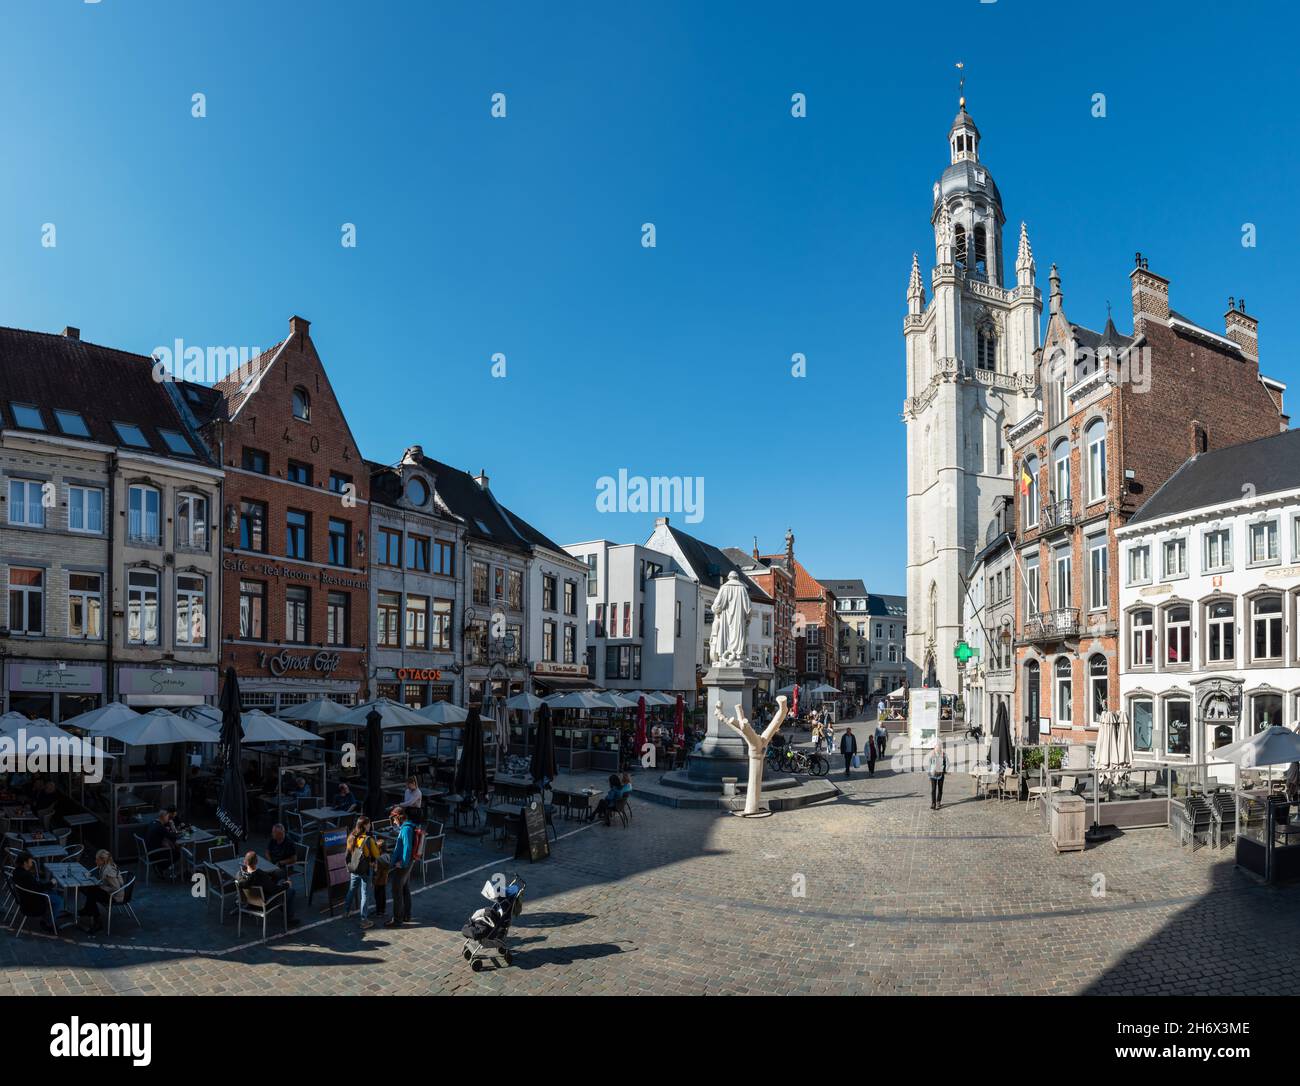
(56, 741)
(115, 712)
(260, 727)
(898, 693)
(788, 691)
(443, 712)
(577, 699)
(658, 697)
(823, 689)
(156, 728)
(528, 702)
(1275, 745)
(616, 699)
(391, 715)
(320, 710)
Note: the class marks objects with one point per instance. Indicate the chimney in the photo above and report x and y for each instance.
(755, 552)
(789, 549)
(1242, 329)
(1150, 296)
(299, 324)
(482, 478)
(661, 522)
(413, 454)
(72, 333)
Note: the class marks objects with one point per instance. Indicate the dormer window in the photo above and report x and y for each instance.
(301, 404)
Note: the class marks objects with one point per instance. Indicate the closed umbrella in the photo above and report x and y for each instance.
(503, 736)
(375, 764)
(232, 805)
(471, 770)
(543, 763)
(794, 709)
(1001, 750)
(640, 725)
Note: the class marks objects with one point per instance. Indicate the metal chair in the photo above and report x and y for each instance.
(127, 892)
(253, 903)
(432, 854)
(623, 811)
(149, 858)
(217, 853)
(34, 905)
(222, 887)
(73, 853)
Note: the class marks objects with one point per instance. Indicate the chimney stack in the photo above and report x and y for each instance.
(1242, 328)
(72, 333)
(1150, 296)
(299, 324)
(482, 478)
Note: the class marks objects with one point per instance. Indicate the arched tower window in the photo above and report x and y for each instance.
(959, 246)
(986, 347)
(981, 265)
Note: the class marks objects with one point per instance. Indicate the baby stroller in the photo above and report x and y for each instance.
(487, 930)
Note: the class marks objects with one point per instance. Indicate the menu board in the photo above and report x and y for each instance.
(330, 872)
(531, 834)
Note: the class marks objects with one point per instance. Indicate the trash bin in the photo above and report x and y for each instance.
(1068, 816)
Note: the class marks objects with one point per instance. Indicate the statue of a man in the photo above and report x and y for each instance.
(727, 643)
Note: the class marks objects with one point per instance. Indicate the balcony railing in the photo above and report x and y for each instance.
(1053, 625)
(1058, 514)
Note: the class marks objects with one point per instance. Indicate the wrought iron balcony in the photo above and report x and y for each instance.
(1053, 625)
(1059, 514)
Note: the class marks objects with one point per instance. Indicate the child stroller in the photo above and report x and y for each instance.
(488, 929)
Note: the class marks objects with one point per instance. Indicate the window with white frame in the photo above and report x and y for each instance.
(26, 601)
(1064, 691)
(1263, 543)
(1178, 726)
(192, 522)
(1142, 716)
(85, 606)
(1062, 576)
(1031, 586)
(1295, 537)
(25, 504)
(191, 610)
(1265, 711)
(1098, 573)
(1029, 492)
(86, 509)
(1216, 551)
(1178, 635)
(1141, 637)
(143, 525)
(1266, 627)
(1096, 440)
(1139, 563)
(142, 607)
(1061, 471)
(1220, 632)
(1098, 688)
(1175, 552)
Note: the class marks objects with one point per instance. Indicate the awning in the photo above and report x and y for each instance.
(563, 682)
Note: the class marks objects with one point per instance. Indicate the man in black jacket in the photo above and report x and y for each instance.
(270, 881)
(848, 747)
(25, 878)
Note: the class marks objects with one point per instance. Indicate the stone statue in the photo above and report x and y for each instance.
(727, 643)
(757, 747)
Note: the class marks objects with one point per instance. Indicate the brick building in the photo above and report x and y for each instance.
(774, 574)
(1116, 416)
(295, 597)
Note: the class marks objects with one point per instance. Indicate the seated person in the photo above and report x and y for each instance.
(300, 788)
(45, 802)
(344, 800)
(627, 784)
(26, 878)
(157, 836)
(610, 800)
(413, 800)
(175, 827)
(279, 849)
(270, 881)
(109, 887)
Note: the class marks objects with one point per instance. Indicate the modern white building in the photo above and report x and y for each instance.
(641, 615)
(970, 352)
(1210, 595)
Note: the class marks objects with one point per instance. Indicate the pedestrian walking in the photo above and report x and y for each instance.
(848, 747)
(871, 754)
(399, 871)
(880, 709)
(817, 737)
(882, 740)
(828, 730)
(362, 858)
(937, 765)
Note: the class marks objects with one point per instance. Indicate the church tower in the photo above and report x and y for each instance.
(970, 351)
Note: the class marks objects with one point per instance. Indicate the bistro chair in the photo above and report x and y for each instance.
(253, 903)
(34, 905)
(73, 853)
(217, 853)
(621, 809)
(127, 892)
(222, 887)
(8, 896)
(432, 854)
(149, 859)
(299, 864)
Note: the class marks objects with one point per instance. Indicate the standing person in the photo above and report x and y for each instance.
(399, 869)
(871, 754)
(413, 800)
(937, 765)
(828, 730)
(362, 859)
(848, 747)
(882, 740)
(817, 737)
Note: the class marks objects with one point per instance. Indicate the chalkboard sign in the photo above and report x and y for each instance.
(531, 833)
(330, 871)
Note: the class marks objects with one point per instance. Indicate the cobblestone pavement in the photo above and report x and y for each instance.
(895, 899)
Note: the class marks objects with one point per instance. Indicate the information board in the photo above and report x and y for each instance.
(530, 835)
(330, 871)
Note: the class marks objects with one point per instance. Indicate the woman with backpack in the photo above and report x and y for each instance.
(362, 859)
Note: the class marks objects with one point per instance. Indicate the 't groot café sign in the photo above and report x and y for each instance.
(285, 662)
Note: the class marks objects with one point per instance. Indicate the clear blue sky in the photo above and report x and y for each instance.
(522, 235)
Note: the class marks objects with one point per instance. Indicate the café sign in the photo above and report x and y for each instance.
(284, 663)
(292, 573)
(550, 667)
(155, 682)
(51, 677)
(418, 674)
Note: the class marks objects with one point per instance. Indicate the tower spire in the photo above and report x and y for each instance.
(1025, 268)
(961, 85)
(915, 289)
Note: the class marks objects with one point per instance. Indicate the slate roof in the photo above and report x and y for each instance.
(240, 385)
(886, 606)
(848, 588)
(102, 384)
(1269, 464)
(711, 564)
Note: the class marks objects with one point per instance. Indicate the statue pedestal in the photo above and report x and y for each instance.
(724, 753)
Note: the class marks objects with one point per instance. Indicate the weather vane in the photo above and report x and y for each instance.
(961, 84)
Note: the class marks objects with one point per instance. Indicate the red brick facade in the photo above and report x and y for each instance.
(264, 419)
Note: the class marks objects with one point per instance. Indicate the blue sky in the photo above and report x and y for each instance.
(522, 235)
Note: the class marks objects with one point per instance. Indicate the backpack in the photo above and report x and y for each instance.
(359, 857)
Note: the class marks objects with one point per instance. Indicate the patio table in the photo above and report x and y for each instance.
(71, 876)
(235, 868)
